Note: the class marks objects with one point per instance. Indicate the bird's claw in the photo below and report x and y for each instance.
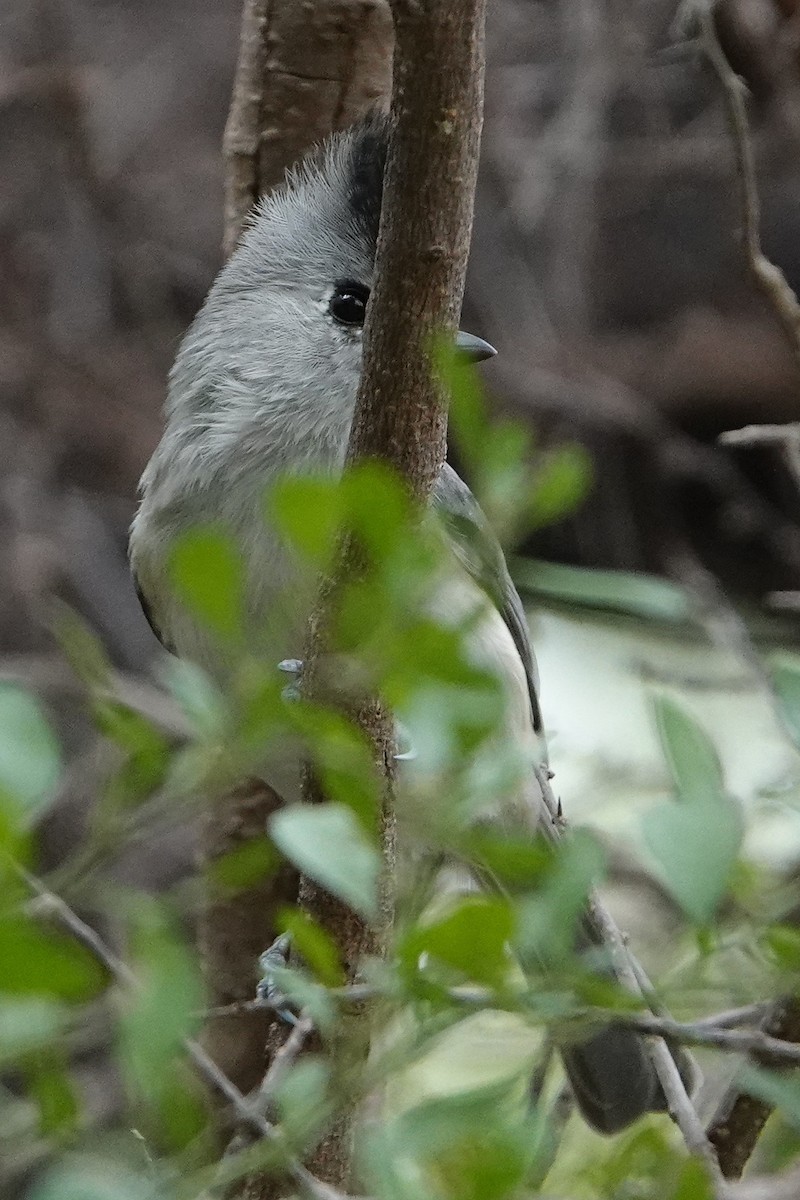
(267, 989)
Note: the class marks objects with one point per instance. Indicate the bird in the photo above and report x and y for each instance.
(265, 381)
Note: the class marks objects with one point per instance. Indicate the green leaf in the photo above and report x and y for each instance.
(200, 699)
(314, 945)
(561, 482)
(328, 843)
(162, 1011)
(49, 1085)
(784, 942)
(616, 591)
(147, 750)
(94, 1178)
(207, 574)
(472, 938)
(27, 1025)
(248, 864)
(786, 677)
(303, 1100)
(690, 753)
(30, 760)
(35, 962)
(548, 918)
(309, 513)
(696, 844)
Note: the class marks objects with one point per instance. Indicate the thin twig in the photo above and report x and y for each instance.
(247, 1112)
(768, 277)
(629, 973)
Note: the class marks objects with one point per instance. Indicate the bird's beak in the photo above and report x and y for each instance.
(473, 349)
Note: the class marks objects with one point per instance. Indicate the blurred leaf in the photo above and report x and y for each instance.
(379, 507)
(640, 595)
(35, 962)
(304, 1102)
(203, 704)
(694, 1183)
(147, 750)
(561, 482)
(467, 1145)
(514, 860)
(548, 918)
(162, 1011)
(94, 1178)
(206, 572)
(30, 759)
(690, 753)
(696, 843)
(82, 648)
(309, 513)
(472, 938)
(328, 843)
(314, 945)
(784, 942)
(28, 1025)
(50, 1087)
(786, 677)
(248, 864)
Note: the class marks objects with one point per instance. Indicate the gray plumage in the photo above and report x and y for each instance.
(264, 382)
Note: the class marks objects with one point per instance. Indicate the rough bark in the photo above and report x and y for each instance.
(740, 1118)
(401, 415)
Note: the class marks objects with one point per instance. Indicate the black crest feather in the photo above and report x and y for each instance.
(369, 146)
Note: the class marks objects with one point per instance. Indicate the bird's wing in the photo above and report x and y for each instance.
(480, 554)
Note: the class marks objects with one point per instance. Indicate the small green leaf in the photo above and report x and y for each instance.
(472, 938)
(615, 591)
(696, 844)
(30, 760)
(35, 962)
(784, 942)
(690, 753)
(162, 1011)
(94, 1178)
(50, 1087)
(207, 574)
(786, 676)
(328, 843)
(309, 513)
(313, 944)
(303, 1100)
(548, 918)
(27, 1025)
(248, 864)
(200, 699)
(561, 482)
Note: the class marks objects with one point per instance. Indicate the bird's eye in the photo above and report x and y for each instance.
(348, 303)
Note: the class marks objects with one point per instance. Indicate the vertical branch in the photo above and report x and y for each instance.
(400, 414)
(302, 70)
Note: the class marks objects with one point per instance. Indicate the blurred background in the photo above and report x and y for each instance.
(606, 269)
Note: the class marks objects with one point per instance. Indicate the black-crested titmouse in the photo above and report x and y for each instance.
(265, 382)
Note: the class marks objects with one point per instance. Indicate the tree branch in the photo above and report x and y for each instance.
(400, 416)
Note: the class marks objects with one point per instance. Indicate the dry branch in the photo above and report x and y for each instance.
(400, 415)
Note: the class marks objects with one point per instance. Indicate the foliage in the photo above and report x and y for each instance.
(473, 981)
